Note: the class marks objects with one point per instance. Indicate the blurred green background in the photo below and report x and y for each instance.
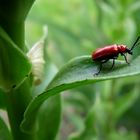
(108, 110)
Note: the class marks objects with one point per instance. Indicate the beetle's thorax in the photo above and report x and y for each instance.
(122, 48)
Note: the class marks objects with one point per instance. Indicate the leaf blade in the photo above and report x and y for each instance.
(49, 118)
(79, 71)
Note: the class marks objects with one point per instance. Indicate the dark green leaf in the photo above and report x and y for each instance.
(2, 100)
(78, 72)
(14, 10)
(14, 65)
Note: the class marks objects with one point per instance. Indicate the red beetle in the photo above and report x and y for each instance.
(106, 53)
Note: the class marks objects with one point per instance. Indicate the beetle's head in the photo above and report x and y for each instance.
(124, 49)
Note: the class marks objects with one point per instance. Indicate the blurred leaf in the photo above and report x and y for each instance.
(106, 8)
(14, 65)
(134, 7)
(94, 123)
(79, 99)
(49, 118)
(122, 135)
(77, 72)
(130, 118)
(4, 132)
(125, 102)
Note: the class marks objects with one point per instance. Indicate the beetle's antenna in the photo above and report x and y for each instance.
(136, 43)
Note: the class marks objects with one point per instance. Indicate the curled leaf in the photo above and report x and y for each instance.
(36, 57)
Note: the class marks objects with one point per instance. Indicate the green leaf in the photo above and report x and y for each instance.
(14, 65)
(14, 10)
(4, 132)
(2, 100)
(49, 118)
(79, 71)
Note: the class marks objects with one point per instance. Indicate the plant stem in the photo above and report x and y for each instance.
(16, 105)
(17, 100)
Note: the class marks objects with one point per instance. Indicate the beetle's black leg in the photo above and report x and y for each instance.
(125, 58)
(99, 69)
(113, 64)
(101, 66)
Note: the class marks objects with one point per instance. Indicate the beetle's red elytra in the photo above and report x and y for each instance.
(106, 53)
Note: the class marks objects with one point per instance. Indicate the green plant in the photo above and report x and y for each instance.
(34, 111)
